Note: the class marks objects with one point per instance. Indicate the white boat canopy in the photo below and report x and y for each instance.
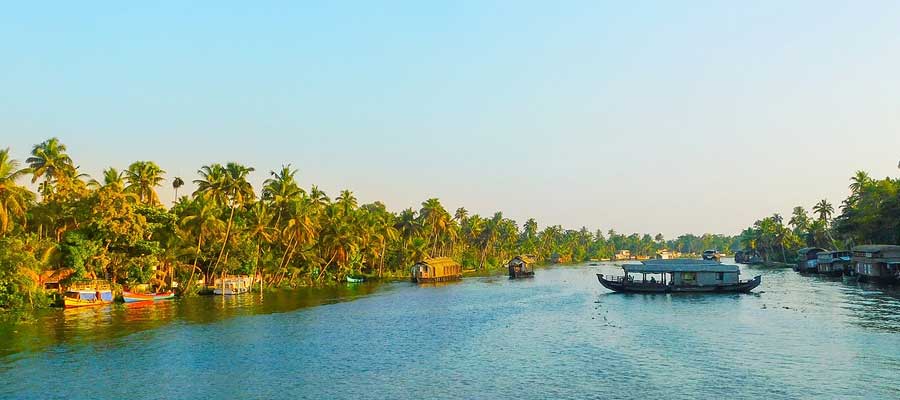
(679, 265)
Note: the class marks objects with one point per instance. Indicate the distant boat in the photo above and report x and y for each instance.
(130, 297)
(519, 267)
(808, 259)
(87, 294)
(680, 276)
(233, 285)
(712, 255)
(351, 279)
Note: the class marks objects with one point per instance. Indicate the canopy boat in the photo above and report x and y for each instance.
(680, 276)
(232, 285)
(85, 294)
(130, 297)
(520, 267)
(712, 255)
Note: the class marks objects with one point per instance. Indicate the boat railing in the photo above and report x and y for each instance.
(89, 285)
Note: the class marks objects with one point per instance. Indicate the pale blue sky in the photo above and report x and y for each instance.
(652, 117)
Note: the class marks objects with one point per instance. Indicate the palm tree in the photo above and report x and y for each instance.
(281, 189)
(142, 178)
(859, 181)
(319, 198)
(227, 186)
(177, 183)
(260, 231)
(347, 201)
(435, 219)
(14, 199)
(50, 161)
(824, 209)
(201, 222)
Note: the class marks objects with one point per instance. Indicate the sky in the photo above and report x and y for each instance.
(671, 117)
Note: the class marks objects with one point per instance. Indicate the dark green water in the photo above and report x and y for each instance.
(560, 335)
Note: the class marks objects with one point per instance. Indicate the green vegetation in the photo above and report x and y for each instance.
(117, 229)
(869, 215)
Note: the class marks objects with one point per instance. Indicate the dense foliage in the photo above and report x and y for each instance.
(116, 228)
(869, 215)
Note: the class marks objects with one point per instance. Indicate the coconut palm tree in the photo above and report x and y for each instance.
(280, 190)
(227, 186)
(201, 222)
(859, 180)
(49, 161)
(142, 178)
(347, 201)
(14, 199)
(260, 231)
(824, 209)
(177, 183)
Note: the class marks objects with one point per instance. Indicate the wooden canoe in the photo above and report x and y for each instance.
(130, 297)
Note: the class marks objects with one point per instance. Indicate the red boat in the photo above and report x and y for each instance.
(137, 297)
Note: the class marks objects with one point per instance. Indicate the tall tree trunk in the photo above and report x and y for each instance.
(194, 268)
(225, 242)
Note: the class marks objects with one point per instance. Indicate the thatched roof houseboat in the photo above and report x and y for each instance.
(521, 267)
(438, 269)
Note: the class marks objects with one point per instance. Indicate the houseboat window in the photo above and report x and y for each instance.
(720, 276)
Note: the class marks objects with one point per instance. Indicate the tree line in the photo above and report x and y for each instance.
(869, 215)
(116, 228)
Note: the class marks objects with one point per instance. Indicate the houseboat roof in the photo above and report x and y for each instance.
(873, 248)
(679, 265)
(807, 250)
(438, 262)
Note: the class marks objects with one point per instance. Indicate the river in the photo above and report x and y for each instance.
(559, 335)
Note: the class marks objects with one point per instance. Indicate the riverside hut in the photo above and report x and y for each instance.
(520, 267)
(438, 269)
(877, 263)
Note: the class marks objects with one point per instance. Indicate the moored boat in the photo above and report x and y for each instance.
(438, 269)
(833, 263)
(130, 297)
(87, 294)
(232, 285)
(712, 255)
(878, 263)
(680, 276)
(807, 260)
(520, 267)
(352, 279)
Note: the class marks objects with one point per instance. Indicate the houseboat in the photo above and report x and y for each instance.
(877, 263)
(232, 285)
(679, 276)
(521, 267)
(712, 255)
(833, 263)
(85, 294)
(807, 258)
(438, 269)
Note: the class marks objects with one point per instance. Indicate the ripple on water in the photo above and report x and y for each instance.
(559, 335)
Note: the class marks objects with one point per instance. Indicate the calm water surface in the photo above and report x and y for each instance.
(560, 335)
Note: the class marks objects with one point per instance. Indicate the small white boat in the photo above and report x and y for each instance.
(233, 285)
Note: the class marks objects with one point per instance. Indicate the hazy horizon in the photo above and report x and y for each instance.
(639, 117)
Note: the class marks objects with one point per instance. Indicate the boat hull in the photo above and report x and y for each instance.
(139, 297)
(521, 275)
(446, 278)
(75, 303)
(640, 287)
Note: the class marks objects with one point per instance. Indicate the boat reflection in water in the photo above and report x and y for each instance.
(677, 276)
